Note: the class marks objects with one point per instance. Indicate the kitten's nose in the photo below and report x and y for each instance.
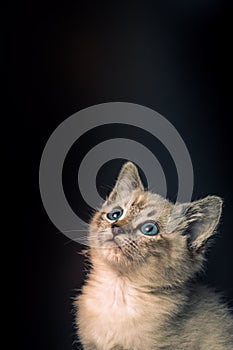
(116, 230)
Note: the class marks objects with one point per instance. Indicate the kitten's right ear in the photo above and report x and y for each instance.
(127, 181)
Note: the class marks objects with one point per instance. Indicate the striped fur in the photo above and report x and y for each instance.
(140, 292)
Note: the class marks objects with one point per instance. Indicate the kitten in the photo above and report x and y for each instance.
(140, 292)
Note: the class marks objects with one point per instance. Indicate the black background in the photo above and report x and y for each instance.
(171, 56)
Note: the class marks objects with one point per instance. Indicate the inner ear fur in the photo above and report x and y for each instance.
(198, 220)
(128, 180)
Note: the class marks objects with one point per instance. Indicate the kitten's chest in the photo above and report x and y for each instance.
(114, 301)
(115, 312)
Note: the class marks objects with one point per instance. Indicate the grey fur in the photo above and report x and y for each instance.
(141, 291)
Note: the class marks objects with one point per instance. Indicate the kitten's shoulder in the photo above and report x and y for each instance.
(209, 318)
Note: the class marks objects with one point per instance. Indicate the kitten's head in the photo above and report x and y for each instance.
(139, 230)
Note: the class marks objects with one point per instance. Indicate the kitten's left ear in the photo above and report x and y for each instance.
(127, 181)
(198, 220)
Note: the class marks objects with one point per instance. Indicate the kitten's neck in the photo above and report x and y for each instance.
(138, 278)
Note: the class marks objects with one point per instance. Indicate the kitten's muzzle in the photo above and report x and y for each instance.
(117, 230)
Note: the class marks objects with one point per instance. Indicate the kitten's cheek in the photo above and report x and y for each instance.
(107, 234)
(103, 237)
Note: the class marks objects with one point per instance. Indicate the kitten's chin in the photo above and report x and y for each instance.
(113, 254)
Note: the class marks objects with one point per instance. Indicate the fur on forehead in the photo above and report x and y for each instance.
(140, 199)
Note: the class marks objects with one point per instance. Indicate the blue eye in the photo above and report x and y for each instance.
(149, 228)
(115, 214)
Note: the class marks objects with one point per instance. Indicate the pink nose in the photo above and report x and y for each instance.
(116, 230)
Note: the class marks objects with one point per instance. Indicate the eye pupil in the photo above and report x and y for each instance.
(149, 228)
(115, 214)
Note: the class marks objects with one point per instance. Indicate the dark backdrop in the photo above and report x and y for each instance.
(172, 56)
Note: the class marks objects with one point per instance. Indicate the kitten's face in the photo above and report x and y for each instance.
(135, 228)
(131, 228)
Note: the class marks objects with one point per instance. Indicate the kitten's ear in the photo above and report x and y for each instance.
(197, 220)
(127, 181)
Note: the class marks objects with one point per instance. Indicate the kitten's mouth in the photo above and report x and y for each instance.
(112, 243)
